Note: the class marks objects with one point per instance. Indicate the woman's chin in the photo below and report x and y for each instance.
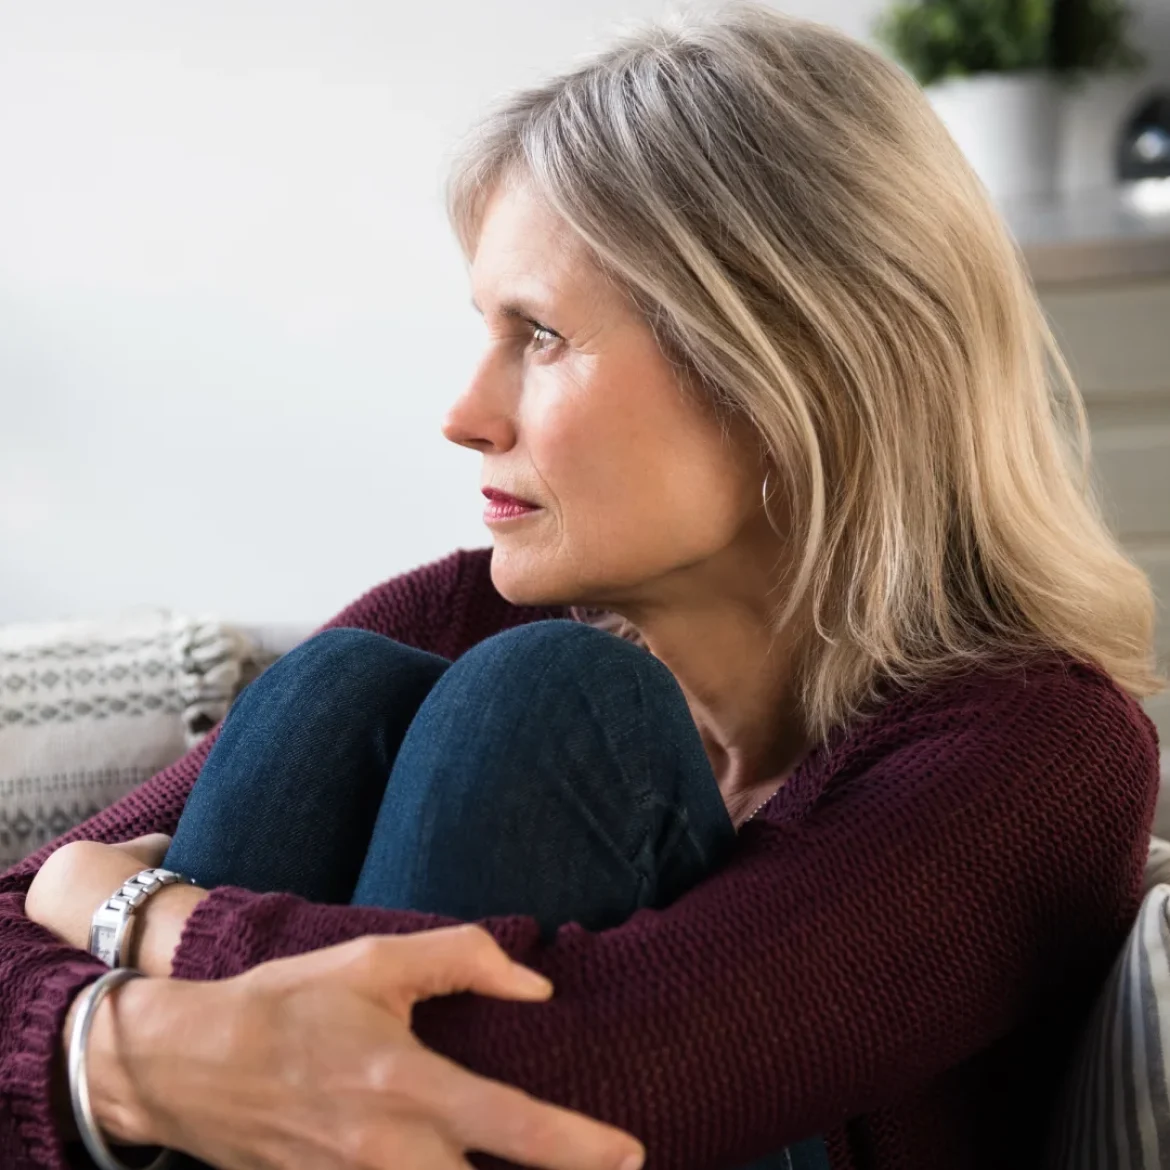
(525, 577)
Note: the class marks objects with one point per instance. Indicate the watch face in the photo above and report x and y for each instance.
(102, 942)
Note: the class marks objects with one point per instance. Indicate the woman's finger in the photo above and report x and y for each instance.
(404, 969)
(403, 1145)
(486, 1116)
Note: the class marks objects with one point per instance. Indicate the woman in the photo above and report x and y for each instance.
(827, 854)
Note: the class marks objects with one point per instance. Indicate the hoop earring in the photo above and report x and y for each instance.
(764, 499)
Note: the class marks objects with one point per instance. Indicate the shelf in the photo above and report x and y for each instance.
(1098, 236)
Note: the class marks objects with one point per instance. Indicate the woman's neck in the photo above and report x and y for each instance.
(738, 680)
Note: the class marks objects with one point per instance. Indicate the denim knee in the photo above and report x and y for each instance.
(554, 770)
(289, 793)
(354, 665)
(337, 650)
(547, 656)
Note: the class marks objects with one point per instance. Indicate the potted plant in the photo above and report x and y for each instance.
(1092, 36)
(995, 70)
(1091, 51)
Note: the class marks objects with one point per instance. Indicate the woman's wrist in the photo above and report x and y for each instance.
(124, 1027)
(76, 879)
(159, 926)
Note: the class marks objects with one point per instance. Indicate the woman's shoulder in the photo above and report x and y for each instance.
(1047, 721)
(1030, 697)
(1051, 686)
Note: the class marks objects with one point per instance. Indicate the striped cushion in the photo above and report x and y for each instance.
(1117, 1111)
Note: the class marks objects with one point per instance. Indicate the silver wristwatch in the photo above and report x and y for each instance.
(109, 932)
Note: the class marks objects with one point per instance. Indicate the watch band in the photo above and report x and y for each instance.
(109, 932)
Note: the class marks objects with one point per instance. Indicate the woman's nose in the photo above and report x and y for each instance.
(479, 418)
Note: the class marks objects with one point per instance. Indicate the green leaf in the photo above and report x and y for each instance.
(934, 39)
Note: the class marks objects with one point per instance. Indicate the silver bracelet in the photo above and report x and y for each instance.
(91, 997)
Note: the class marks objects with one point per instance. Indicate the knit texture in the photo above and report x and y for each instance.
(896, 956)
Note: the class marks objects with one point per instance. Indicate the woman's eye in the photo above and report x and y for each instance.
(543, 338)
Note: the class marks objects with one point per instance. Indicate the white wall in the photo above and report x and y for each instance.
(231, 314)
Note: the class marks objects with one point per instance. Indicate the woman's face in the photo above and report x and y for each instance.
(575, 409)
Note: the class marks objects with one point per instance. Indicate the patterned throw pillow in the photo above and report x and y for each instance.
(90, 709)
(1116, 1115)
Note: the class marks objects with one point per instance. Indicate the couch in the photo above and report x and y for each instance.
(91, 709)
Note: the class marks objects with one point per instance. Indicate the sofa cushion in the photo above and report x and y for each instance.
(1116, 1112)
(91, 709)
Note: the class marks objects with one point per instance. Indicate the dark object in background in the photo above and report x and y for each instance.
(1144, 147)
(1091, 36)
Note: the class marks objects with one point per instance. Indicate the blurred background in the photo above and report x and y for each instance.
(231, 312)
(232, 316)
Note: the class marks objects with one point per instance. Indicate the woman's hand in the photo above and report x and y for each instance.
(305, 1063)
(77, 878)
(308, 1063)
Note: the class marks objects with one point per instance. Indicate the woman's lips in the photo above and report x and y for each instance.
(501, 507)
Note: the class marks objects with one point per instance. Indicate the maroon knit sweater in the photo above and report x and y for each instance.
(894, 957)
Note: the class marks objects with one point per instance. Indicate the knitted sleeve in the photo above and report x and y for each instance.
(439, 607)
(967, 860)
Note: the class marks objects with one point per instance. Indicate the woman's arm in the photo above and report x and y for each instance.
(943, 893)
(439, 607)
(828, 967)
(40, 976)
(313, 1061)
(311, 1058)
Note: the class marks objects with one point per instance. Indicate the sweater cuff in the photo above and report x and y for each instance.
(211, 937)
(233, 930)
(35, 1058)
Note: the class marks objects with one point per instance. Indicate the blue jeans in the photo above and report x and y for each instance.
(552, 770)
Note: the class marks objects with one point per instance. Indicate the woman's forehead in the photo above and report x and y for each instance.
(528, 260)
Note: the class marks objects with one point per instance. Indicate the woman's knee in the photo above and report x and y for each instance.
(329, 713)
(561, 651)
(553, 759)
(548, 669)
(355, 665)
(286, 798)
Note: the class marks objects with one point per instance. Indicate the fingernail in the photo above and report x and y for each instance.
(535, 981)
(634, 1161)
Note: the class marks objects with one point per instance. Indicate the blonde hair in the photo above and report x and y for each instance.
(812, 250)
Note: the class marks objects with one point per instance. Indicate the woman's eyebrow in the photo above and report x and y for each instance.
(513, 310)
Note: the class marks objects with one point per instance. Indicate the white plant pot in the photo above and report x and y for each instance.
(1008, 126)
(1093, 116)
